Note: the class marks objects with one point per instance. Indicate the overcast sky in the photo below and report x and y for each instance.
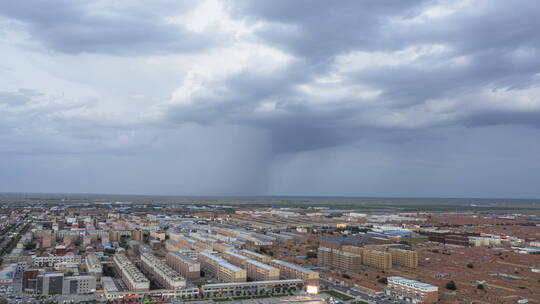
(262, 97)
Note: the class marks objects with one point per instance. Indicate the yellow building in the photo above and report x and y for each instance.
(258, 271)
(256, 256)
(293, 271)
(377, 259)
(223, 270)
(408, 258)
(235, 258)
(339, 259)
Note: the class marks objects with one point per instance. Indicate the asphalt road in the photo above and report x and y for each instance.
(359, 295)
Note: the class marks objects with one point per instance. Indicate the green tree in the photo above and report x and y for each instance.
(451, 285)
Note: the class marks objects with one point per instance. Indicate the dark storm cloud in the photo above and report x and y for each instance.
(364, 97)
(320, 29)
(467, 51)
(86, 27)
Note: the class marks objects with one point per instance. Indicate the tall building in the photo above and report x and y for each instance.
(339, 259)
(235, 258)
(411, 290)
(377, 259)
(223, 270)
(221, 247)
(53, 261)
(186, 266)
(408, 258)
(55, 283)
(258, 271)
(50, 283)
(137, 235)
(256, 256)
(83, 284)
(114, 236)
(29, 279)
(292, 271)
(93, 265)
(164, 275)
(131, 275)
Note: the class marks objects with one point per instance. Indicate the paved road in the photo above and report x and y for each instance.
(360, 295)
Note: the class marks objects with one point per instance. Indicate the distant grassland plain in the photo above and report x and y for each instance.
(389, 204)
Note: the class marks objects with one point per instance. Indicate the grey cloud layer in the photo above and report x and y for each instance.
(86, 27)
(355, 84)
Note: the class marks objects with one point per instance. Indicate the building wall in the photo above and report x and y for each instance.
(184, 265)
(377, 259)
(408, 258)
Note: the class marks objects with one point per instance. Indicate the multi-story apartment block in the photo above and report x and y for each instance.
(190, 253)
(114, 236)
(256, 256)
(223, 270)
(352, 249)
(221, 247)
(131, 275)
(408, 258)
(258, 271)
(172, 245)
(235, 258)
(93, 265)
(339, 259)
(411, 290)
(164, 275)
(137, 235)
(186, 266)
(292, 271)
(53, 261)
(377, 259)
(231, 273)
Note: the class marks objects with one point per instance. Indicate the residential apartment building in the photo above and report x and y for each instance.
(221, 247)
(411, 291)
(186, 266)
(258, 271)
(235, 258)
(292, 271)
(162, 273)
(223, 270)
(137, 235)
(403, 257)
(377, 259)
(131, 275)
(256, 256)
(339, 259)
(53, 261)
(93, 265)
